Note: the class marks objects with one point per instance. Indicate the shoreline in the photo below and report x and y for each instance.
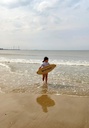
(24, 110)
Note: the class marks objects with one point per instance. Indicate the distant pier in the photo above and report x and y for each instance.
(9, 49)
(1, 48)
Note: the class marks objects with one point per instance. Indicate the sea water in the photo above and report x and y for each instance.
(70, 77)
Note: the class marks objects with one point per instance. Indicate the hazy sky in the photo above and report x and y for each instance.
(44, 24)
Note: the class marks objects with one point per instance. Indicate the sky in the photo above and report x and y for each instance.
(44, 24)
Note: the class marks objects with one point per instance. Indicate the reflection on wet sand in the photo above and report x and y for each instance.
(45, 101)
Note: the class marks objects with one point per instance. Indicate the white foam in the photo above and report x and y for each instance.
(4, 65)
(71, 63)
(3, 60)
(1, 91)
(38, 61)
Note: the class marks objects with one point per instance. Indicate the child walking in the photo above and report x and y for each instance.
(45, 63)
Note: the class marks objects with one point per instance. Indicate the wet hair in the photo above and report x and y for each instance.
(45, 58)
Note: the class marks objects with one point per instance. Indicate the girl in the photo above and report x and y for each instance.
(45, 63)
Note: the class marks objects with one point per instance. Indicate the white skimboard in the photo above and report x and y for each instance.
(46, 69)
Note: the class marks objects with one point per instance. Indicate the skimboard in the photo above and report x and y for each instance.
(46, 69)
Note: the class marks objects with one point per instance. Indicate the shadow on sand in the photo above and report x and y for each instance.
(45, 101)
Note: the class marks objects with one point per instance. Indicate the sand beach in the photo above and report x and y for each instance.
(24, 110)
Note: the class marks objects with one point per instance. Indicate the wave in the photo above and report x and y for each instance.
(71, 63)
(1, 90)
(4, 65)
(38, 61)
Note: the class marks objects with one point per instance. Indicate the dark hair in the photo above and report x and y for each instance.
(45, 58)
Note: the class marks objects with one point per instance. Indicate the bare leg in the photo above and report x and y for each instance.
(43, 77)
(46, 78)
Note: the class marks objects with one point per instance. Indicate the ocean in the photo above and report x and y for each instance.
(70, 77)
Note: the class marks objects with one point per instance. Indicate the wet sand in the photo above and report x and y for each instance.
(24, 110)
